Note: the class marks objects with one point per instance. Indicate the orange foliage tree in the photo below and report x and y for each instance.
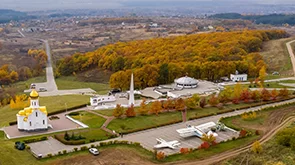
(130, 111)
(156, 107)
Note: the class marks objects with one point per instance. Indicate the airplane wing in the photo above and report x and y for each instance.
(164, 145)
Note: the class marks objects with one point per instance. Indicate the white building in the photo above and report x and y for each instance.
(186, 82)
(100, 100)
(33, 118)
(238, 77)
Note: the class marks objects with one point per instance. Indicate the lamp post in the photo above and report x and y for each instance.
(66, 107)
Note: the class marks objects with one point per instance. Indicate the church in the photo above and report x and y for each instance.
(33, 118)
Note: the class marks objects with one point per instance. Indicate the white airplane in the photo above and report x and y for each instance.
(164, 144)
(198, 131)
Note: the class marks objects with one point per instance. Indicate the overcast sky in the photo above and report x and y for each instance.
(31, 5)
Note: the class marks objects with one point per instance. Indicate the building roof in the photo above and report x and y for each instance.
(29, 110)
(34, 94)
(186, 80)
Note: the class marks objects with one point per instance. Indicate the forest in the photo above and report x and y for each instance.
(273, 19)
(159, 61)
(7, 15)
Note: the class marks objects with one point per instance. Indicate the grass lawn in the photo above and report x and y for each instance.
(276, 56)
(108, 112)
(141, 122)
(23, 85)
(53, 103)
(92, 120)
(72, 83)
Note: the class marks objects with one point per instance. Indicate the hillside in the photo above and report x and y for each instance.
(7, 15)
(159, 61)
(273, 19)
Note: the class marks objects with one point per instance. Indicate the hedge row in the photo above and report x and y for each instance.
(75, 142)
(56, 112)
(207, 115)
(146, 128)
(35, 140)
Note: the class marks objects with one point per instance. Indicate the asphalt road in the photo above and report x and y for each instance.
(50, 84)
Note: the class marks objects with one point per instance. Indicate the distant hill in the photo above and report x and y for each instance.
(273, 19)
(7, 15)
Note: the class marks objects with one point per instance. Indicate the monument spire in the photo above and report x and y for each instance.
(131, 92)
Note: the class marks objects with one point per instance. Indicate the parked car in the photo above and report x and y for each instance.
(42, 89)
(33, 86)
(94, 151)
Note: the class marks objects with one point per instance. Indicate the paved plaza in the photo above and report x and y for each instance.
(58, 125)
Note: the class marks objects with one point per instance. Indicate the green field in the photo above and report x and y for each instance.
(23, 85)
(276, 56)
(141, 122)
(92, 120)
(53, 103)
(73, 83)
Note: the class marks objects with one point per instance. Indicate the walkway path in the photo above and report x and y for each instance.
(106, 123)
(50, 84)
(148, 137)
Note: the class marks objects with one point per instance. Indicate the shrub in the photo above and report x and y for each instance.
(75, 149)
(92, 145)
(28, 147)
(35, 140)
(160, 155)
(257, 132)
(256, 147)
(64, 151)
(74, 114)
(49, 155)
(61, 139)
(67, 136)
(204, 145)
(184, 150)
(243, 133)
(83, 148)
(59, 153)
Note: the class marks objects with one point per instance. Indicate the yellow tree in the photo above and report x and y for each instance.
(180, 104)
(156, 107)
(256, 147)
(118, 111)
(262, 74)
(143, 110)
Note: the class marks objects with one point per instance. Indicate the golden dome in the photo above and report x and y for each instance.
(34, 94)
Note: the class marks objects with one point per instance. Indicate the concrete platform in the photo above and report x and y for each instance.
(58, 125)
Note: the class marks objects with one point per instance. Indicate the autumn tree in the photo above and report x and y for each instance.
(118, 111)
(156, 107)
(169, 104)
(203, 102)
(256, 147)
(265, 95)
(237, 91)
(213, 100)
(274, 94)
(284, 93)
(180, 104)
(255, 95)
(262, 74)
(130, 111)
(143, 110)
(225, 95)
(245, 95)
(208, 138)
(193, 101)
